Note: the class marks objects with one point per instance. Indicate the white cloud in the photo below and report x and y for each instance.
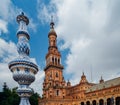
(90, 30)
(7, 53)
(7, 14)
(3, 26)
(46, 11)
(37, 84)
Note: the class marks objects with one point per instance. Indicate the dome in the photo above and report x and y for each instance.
(52, 32)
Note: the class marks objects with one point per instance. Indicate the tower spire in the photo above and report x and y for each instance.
(52, 23)
(53, 69)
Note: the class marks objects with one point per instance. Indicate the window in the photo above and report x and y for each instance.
(58, 61)
(56, 85)
(56, 74)
(53, 60)
(57, 93)
(54, 42)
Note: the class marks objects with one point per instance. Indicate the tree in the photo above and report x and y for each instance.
(34, 99)
(10, 97)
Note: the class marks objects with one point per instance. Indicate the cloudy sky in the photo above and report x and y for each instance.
(88, 37)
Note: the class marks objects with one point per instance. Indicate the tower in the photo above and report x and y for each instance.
(54, 83)
(22, 68)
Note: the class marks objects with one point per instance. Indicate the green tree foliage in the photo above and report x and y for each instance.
(10, 97)
(34, 99)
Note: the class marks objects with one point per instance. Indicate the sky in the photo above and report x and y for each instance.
(88, 37)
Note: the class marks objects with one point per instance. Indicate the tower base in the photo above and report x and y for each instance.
(24, 101)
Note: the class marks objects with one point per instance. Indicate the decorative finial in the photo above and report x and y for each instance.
(101, 80)
(22, 17)
(52, 23)
(52, 18)
(22, 13)
(83, 73)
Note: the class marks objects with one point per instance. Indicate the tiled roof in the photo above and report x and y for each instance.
(104, 85)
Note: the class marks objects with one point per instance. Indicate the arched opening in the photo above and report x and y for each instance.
(94, 102)
(88, 103)
(56, 74)
(54, 43)
(108, 101)
(82, 103)
(117, 100)
(101, 102)
(56, 61)
(57, 93)
(53, 60)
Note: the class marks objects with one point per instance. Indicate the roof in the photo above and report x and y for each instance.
(104, 85)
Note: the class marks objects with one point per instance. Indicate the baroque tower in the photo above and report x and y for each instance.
(22, 67)
(57, 92)
(54, 83)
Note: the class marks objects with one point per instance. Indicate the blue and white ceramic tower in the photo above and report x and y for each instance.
(23, 68)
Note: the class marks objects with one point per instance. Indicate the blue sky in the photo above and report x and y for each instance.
(88, 37)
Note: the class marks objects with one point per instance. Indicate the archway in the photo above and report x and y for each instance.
(117, 100)
(101, 102)
(82, 103)
(88, 103)
(108, 101)
(94, 102)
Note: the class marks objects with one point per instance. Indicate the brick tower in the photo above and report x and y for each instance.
(54, 83)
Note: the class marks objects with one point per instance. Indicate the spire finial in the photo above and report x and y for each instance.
(51, 18)
(83, 73)
(52, 23)
(22, 13)
(22, 17)
(101, 80)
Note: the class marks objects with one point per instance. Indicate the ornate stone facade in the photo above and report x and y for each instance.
(56, 91)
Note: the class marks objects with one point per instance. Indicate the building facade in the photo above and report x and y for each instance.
(56, 91)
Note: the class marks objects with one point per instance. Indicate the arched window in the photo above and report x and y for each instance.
(57, 92)
(117, 100)
(108, 101)
(94, 102)
(54, 42)
(82, 103)
(55, 60)
(52, 60)
(88, 103)
(101, 102)
(58, 61)
(56, 74)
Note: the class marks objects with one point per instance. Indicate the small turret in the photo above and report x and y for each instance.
(101, 80)
(52, 31)
(83, 79)
(68, 83)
